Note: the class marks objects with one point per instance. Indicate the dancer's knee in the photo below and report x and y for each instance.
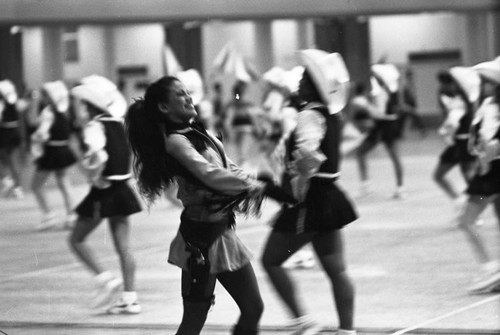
(334, 266)
(252, 312)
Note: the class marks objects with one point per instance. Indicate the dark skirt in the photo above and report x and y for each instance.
(385, 131)
(55, 158)
(10, 138)
(487, 184)
(326, 208)
(117, 200)
(457, 153)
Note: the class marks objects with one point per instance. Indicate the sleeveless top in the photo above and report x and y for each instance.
(60, 128)
(10, 117)
(119, 154)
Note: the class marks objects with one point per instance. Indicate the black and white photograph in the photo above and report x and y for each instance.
(246, 167)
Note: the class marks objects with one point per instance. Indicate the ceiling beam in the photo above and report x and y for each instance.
(30, 12)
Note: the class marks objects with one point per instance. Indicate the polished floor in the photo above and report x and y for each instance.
(410, 264)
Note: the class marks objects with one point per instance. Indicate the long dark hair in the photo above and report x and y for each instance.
(152, 166)
(312, 94)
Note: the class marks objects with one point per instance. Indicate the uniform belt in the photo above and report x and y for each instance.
(324, 175)
(462, 136)
(56, 143)
(118, 177)
(9, 124)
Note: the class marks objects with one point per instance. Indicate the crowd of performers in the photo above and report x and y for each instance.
(469, 98)
(175, 142)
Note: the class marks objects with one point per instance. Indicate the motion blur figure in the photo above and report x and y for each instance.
(386, 126)
(361, 109)
(12, 141)
(323, 209)
(280, 107)
(484, 186)
(50, 147)
(408, 106)
(241, 123)
(459, 92)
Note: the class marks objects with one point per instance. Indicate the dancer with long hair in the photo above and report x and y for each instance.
(169, 146)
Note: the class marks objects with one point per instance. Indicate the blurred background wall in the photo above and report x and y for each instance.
(38, 43)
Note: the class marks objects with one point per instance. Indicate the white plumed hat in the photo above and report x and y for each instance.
(92, 95)
(8, 91)
(58, 94)
(329, 74)
(118, 105)
(489, 70)
(468, 80)
(282, 78)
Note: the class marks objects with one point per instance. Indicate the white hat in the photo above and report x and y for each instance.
(275, 76)
(489, 70)
(329, 73)
(8, 91)
(468, 80)
(92, 95)
(118, 104)
(193, 82)
(388, 74)
(281, 78)
(58, 94)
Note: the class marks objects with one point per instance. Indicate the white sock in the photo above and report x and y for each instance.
(103, 277)
(346, 332)
(301, 320)
(129, 297)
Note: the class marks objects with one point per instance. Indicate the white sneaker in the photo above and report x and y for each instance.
(301, 259)
(304, 326)
(49, 221)
(488, 279)
(121, 307)
(16, 193)
(346, 332)
(6, 184)
(106, 292)
(399, 193)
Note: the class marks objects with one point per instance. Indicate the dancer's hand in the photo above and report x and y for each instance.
(491, 151)
(300, 186)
